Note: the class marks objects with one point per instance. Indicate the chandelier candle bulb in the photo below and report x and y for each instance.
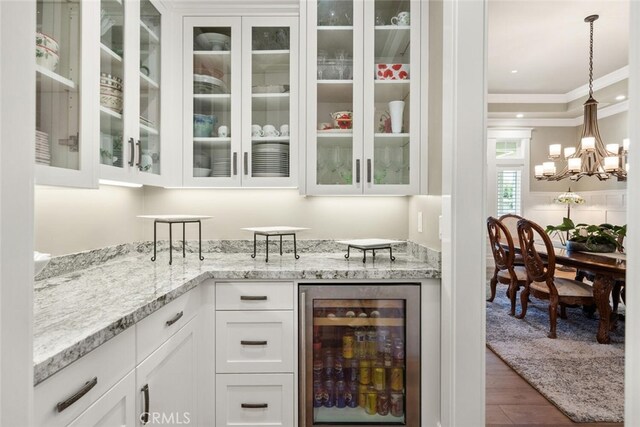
(539, 171)
(549, 168)
(555, 150)
(569, 151)
(611, 163)
(575, 164)
(589, 143)
(613, 148)
(625, 145)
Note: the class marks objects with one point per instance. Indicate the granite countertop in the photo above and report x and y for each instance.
(77, 311)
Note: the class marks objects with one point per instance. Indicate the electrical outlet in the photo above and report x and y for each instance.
(419, 222)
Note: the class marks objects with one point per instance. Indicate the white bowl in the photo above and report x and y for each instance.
(213, 41)
(40, 261)
(46, 58)
(47, 41)
(201, 172)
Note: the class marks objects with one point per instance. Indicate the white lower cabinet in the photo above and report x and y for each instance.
(166, 381)
(254, 400)
(117, 407)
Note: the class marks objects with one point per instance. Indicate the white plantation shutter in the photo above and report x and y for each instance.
(509, 191)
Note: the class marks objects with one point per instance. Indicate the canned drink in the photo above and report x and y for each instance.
(383, 404)
(397, 404)
(328, 363)
(347, 346)
(351, 395)
(379, 378)
(318, 394)
(317, 370)
(383, 336)
(329, 394)
(371, 406)
(360, 344)
(341, 398)
(351, 370)
(397, 379)
(372, 344)
(362, 395)
(365, 372)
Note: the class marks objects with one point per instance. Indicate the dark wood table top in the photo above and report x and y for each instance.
(594, 262)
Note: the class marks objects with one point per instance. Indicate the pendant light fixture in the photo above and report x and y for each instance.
(591, 157)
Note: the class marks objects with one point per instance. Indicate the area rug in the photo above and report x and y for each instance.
(584, 379)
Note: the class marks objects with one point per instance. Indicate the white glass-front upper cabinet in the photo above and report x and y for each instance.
(64, 89)
(363, 126)
(240, 108)
(130, 90)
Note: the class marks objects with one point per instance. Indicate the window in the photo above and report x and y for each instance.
(509, 191)
(509, 149)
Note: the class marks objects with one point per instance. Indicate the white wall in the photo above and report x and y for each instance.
(328, 217)
(71, 220)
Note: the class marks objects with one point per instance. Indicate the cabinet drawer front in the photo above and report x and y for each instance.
(159, 326)
(254, 400)
(108, 363)
(256, 341)
(254, 296)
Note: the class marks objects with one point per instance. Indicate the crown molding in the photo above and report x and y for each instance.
(574, 122)
(560, 98)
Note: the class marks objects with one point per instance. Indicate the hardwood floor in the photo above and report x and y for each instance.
(511, 401)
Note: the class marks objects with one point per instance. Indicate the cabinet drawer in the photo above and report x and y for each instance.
(254, 296)
(108, 364)
(156, 328)
(254, 341)
(254, 400)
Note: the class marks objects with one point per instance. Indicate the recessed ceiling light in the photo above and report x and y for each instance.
(620, 97)
(514, 71)
(519, 115)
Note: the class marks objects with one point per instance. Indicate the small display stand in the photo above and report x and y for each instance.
(372, 245)
(278, 231)
(176, 219)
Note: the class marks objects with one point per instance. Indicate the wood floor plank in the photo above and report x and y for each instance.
(546, 414)
(495, 415)
(516, 396)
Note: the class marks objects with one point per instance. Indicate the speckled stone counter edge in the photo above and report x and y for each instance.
(78, 261)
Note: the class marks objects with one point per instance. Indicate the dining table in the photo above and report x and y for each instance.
(606, 268)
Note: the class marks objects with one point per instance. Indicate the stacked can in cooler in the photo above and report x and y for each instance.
(359, 367)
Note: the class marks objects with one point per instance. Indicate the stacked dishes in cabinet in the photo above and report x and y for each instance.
(43, 151)
(270, 159)
(111, 92)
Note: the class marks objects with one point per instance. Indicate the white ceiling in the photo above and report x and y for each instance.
(547, 41)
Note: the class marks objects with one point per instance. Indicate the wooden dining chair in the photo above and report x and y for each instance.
(542, 282)
(511, 222)
(505, 272)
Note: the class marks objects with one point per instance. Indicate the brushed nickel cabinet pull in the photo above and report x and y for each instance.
(139, 163)
(174, 319)
(132, 151)
(254, 405)
(244, 342)
(235, 163)
(369, 170)
(144, 417)
(253, 298)
(246, 163)
(61, 406)
(357, 171)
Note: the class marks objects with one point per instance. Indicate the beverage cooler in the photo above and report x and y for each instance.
(359, 355)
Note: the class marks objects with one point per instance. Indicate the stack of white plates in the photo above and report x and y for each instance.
(213, 41)
(111, 92)
(220, 163)
(43, 151)
(270, 160)
(203, 84)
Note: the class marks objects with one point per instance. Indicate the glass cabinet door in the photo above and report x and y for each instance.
(269, 102)
(392, 95)
(150, 36)
(57, 50)
(212, 118)
(112, 49)
(335, 96)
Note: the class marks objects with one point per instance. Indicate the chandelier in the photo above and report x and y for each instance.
(591, 157)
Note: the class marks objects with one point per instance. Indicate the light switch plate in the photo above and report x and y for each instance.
(419, 222)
